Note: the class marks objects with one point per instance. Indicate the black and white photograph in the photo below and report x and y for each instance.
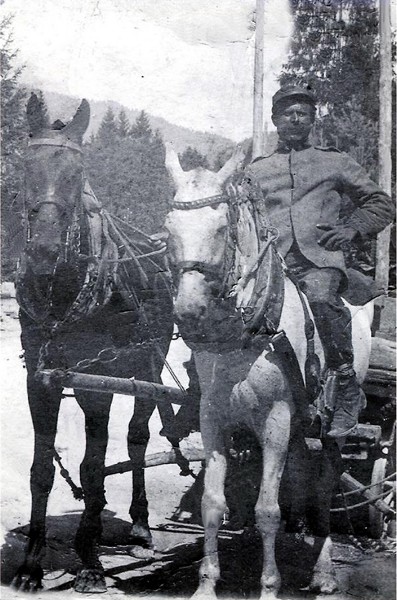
(198, 299)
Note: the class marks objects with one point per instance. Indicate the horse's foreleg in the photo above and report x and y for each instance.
(96, 410)
(324, 576)
(44, 407)
(213, 507)
(138, 438)
(274, 441)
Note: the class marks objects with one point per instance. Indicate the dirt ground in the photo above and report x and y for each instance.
(364, 570)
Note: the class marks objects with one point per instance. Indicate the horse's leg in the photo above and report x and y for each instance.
(96, 409)
(44, 407)
(213, 505)
(138, 438)
(296, 467)
(324, 578)
(274, 442)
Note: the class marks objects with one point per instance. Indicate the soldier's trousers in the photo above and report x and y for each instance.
(332, 318)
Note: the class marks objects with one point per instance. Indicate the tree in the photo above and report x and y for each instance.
(191, 158)
(141, 128)
(335, 50)
(130, 178)
(13, 138)
(123, 125)
(107, 132)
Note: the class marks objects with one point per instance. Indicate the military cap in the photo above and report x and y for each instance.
(293, 91)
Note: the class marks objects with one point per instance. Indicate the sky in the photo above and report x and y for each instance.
(188, 61)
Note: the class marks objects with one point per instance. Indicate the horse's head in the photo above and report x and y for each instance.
(198, 236)
(54, 183)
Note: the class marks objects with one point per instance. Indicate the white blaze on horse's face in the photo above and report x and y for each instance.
(197, 235)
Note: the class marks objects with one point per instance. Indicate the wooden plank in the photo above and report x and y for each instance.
(381, 377)
(383, 354)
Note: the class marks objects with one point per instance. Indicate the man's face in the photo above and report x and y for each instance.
(294, 121)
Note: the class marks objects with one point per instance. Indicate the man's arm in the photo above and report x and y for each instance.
(375, 209)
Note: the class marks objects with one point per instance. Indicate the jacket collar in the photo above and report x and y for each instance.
(283, 147)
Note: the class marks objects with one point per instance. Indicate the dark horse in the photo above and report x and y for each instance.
(82, 288)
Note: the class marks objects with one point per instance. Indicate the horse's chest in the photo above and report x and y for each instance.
(224, 381)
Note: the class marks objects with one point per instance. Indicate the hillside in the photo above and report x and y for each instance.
(61, 106)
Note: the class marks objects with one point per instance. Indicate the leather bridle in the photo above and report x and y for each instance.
(60, 144)
(211, 273)
(60, 204)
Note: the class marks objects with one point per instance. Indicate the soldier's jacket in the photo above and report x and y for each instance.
(302, 188)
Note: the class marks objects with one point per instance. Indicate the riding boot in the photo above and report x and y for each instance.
(350, 401)
(334, 327)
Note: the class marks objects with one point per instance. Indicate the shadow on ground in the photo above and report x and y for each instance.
(172, 570)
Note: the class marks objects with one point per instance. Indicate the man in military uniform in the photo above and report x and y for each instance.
(301, 187)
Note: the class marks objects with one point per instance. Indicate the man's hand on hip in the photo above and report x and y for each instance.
(336, 237)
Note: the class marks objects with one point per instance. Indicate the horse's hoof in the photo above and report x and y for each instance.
(268, 596)
(140, 536)
(28, 579)
(323, 584)
(90, 581)
(203, 595)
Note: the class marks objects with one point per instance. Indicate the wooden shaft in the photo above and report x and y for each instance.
(385, 129)
(352, 484)
(154, 460)
(113, 385)
(257, 138)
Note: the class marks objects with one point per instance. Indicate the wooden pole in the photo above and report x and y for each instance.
(385, 128)
(113, 385)
(257, 138)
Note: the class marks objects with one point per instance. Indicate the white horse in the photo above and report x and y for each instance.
(240, 385)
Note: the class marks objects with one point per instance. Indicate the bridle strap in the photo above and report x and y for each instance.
(62, 205)
(53, 142)
(185, 266)
(200, 203)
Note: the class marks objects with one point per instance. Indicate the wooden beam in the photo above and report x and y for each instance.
(385, 129)
(257, 138)
(112, 385)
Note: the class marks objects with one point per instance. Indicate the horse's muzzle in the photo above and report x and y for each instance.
(42, 257)
(191, 315)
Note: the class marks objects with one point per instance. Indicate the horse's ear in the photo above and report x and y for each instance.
(36, 116)
(173, 165)
(78, 125)
(235, 162)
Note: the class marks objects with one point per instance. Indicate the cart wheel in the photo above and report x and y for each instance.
(377, 522)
